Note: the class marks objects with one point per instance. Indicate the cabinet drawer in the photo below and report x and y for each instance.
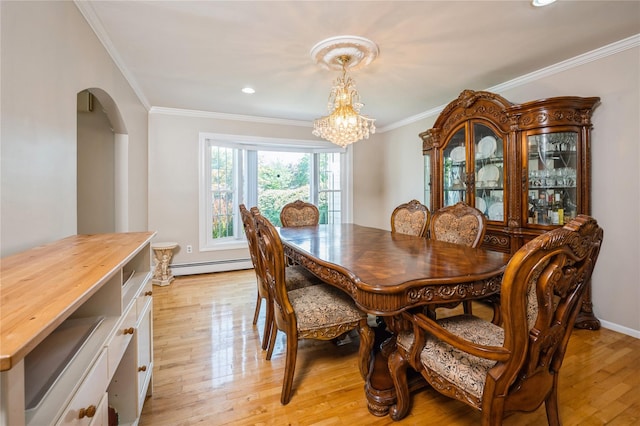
(85, 403)
(120, 340)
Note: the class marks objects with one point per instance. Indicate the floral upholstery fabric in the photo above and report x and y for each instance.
(411, 223)
(305, 216)
(323, 306)
(532, 304)
(405, 340)
(458, 230)
(467, 371)
(299, 277)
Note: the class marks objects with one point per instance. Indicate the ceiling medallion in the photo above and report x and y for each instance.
(344, 124)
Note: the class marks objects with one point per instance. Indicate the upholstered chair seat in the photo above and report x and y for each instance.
(469, 372)
(299, 277)
(513, 366)
(324, 311)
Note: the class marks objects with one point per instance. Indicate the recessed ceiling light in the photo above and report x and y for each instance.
(248, 90)
(540, 3)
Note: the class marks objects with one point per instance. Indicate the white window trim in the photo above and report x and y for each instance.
(263, 144)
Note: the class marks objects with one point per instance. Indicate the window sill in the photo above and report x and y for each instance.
(235, 245)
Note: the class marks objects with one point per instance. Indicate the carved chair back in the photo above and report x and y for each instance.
(411, 218)
(272, 260)
(263, 291)
(541, 295)
(514, 367)
(313, 312)
(459, 224)
(299, 213)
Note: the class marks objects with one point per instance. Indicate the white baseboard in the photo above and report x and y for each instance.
(208, 267)
(620, 329)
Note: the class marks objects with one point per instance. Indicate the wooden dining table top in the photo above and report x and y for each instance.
(387, 272)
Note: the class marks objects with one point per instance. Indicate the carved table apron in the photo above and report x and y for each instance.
(386, 273)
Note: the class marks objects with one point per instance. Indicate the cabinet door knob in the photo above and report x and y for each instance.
(90, 411)
(148, 293)
(128, 330)
(143, 368)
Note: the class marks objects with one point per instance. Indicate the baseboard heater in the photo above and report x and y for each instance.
(211, 266)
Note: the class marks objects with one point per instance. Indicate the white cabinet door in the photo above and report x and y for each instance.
(145, 353)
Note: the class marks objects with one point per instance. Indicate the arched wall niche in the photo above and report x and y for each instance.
(102, 164)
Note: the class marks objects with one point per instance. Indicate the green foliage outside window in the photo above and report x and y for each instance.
(279, 182)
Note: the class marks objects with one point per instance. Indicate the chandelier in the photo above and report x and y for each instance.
(344, 125)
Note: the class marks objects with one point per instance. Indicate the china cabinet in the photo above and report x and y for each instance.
(527, 166)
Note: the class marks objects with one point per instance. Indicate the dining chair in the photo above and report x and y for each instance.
(318, 312)
(411, 218)
(299, 213)
(514, 367)
(459, 224)
(296, 276)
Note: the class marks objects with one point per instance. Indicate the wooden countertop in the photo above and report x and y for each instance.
(43, 286)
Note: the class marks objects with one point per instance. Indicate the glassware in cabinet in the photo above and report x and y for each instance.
(454, 171)
(552, 184)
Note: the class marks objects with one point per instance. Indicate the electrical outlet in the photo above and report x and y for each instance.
(189, 249)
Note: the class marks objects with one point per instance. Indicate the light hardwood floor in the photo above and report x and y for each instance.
(210, 370)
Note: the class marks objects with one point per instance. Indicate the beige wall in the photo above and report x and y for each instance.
(173, 176)
(616, 174)
(49, 54)
(96, 171)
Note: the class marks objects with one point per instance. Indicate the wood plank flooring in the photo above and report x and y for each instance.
(210, 370)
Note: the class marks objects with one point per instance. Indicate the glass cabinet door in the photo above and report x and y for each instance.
(552, 184)
(454, 169)
(427, 180)
(489, 172)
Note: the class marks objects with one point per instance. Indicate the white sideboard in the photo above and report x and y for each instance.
(76, 334)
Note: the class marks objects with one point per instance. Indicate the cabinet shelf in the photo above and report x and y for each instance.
(59, 391)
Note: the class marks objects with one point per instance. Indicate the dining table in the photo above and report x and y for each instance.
(386, 273)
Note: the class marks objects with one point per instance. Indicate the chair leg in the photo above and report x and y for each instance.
(268, 325)
(398, 369)
(289, 368)
(497, 317)
(468, 307)
(367, 337)
(272, 340)
(257, 312)
(551, 404)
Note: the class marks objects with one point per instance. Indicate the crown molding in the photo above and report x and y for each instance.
(86, 9)
(227, 116)
(594, 55)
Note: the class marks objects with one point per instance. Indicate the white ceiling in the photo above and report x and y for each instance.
(198, 55)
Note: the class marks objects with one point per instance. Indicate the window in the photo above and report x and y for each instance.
(268, 173)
